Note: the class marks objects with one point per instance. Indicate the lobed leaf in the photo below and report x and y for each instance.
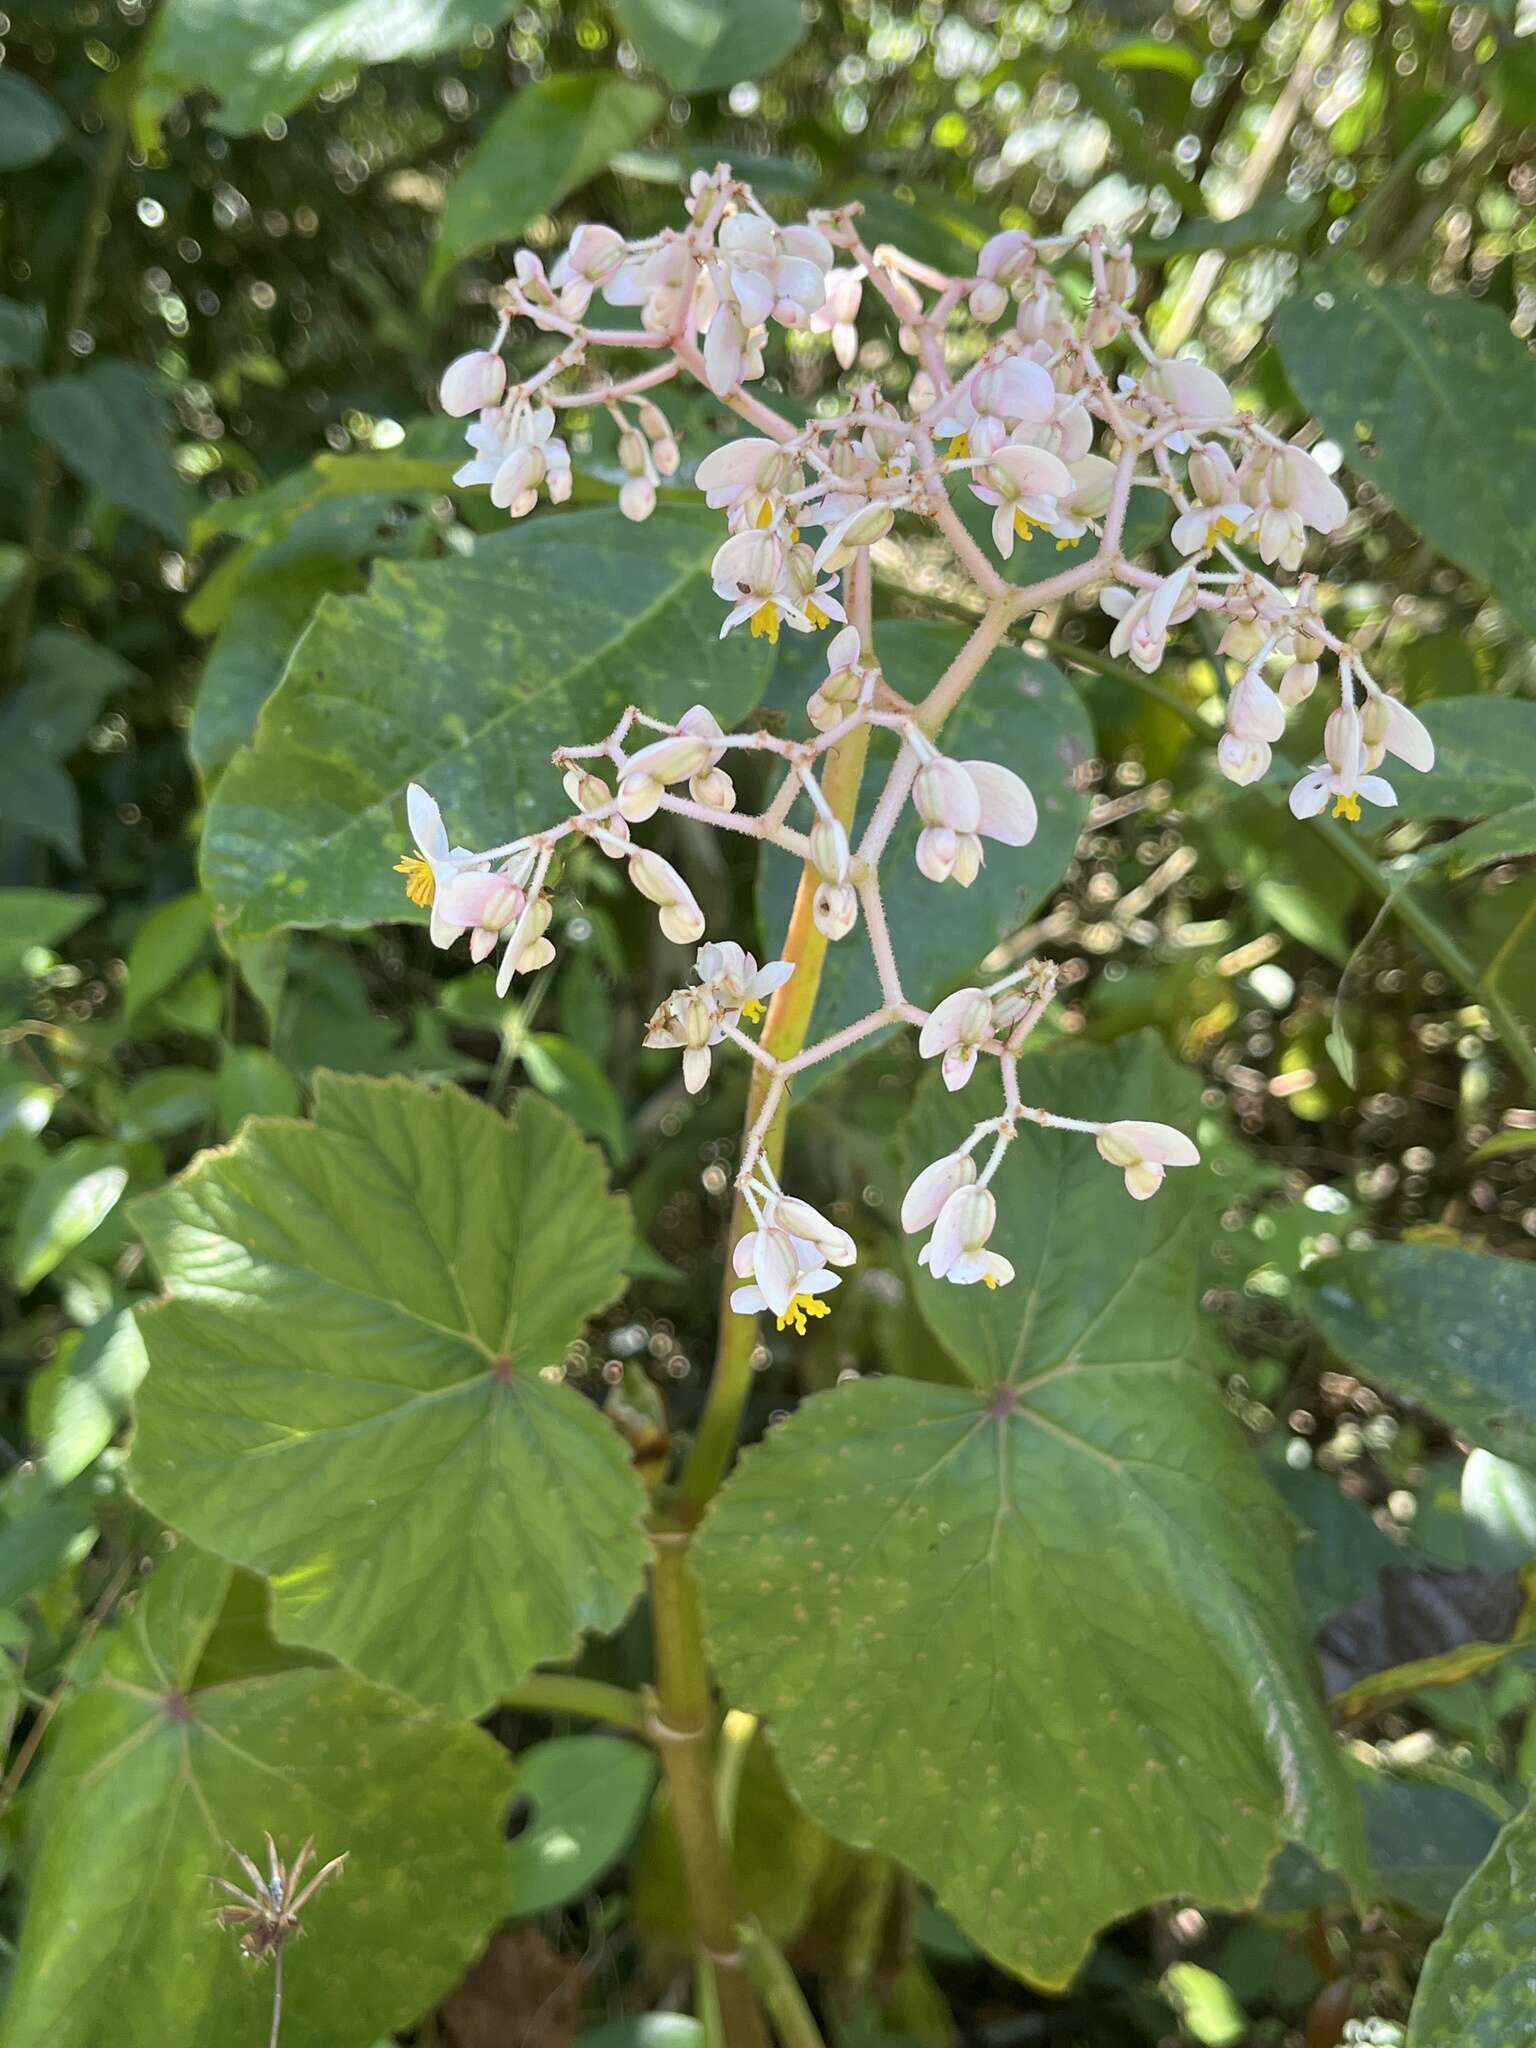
(350, 1384)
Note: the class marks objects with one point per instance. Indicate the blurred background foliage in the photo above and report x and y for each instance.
(237, 243)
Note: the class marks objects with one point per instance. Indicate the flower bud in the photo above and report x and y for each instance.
(945, 795)
(666, 456)
(1305, 648)
(1298, 683)
(1242, 761)
(632, 452)
(518, 479)
(1254, 712)
(587, 791)
(714, 789)
(1242, 639)
(639, 798)
(835, 909)
(471, 382)
(988, 301)
(932, 1189)
(637, 498)
(936, 849)
(672, 759)
(829, 850)
(968, 859)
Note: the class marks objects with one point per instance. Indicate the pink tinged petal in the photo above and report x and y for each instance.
(1116, 601)
(695, 1068)
(426, 822)
(1192, 531)
(964, 1224)
(932, 1189)
(937, 847)
(1376, 790)
(1309, 795)
(1002, 530)
(1034, 472)
(472, 382)
(741, 1257)
(957, 1066)
(1008, 812)
(748, 1301)
(1143, 1180)
(946, 1026)
(442, 929)
(1254, 711)
(1161, 1143)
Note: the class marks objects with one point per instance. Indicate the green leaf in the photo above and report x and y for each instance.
(1021, 711)
(108, 425)
(94, 1396)
(704, 45)
(253, 1082)
(165, 1103)
(1151, 53)
(278, 589)
(166, 944)
(1206, 2008)
(152, 1782)
(1485, 759)
(1475, 1990)
(353, 1386)
(38, 918)
(76, 1190)
(567, 1075)
(1509, 836)
(1417, 388)
(40, 1539)
(263, 58)
(548, 141)
(31, 124)
(1448, 1329)
(1498, 1500)
(1424, 1841)
(23, 328)
(1062, 1588)
(65, 681)
(588, 1794)
(463, 676)
(1271, 224)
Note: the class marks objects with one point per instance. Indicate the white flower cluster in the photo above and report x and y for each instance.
(1028, 423)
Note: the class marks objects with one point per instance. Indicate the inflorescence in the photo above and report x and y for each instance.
(1014, 421)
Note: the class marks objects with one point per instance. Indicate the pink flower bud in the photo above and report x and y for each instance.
(471, 382)
(835, 909)
(829, 850)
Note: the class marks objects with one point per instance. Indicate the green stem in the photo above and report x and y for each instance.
(552, 1692)
(779, 1989)
(682, 1727)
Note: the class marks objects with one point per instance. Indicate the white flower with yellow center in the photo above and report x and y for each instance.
(784, 1273)
(433, 865)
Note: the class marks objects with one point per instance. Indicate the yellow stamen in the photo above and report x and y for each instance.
(817, 616)
(1348, 807)
(1225, 528)
(989, 1280)
(1066, 544)
(1024, 528)
(765, 514)
(420, 882)
(794, 533)
(960, 447)
(801, 1306)
(765, 623)
(752, 1009)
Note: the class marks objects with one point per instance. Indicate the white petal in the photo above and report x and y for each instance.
(1008, 812)
(1309, 795)
(748, 1301)
(426, 822)
(1376, 790)
(1408, 737)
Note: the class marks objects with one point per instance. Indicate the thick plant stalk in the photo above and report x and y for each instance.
(682, 1726)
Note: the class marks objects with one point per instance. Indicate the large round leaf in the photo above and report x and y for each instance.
(1022, 712)
(1036, 1637)
(465, 676)
(350, 1391)
(697, 45)
(151, 1783)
